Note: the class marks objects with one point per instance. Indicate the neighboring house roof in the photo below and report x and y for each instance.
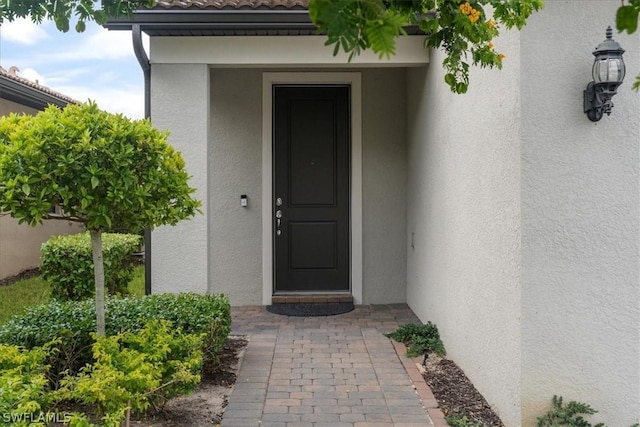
(223, 18)
(32, 94)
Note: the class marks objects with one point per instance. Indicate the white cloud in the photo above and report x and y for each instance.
(97, 64)
(23, 31)
(128, 100)
(102, 44)
(33, 75)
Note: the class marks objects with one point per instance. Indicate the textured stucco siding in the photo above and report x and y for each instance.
(580, 220)
(180, 103)
(235, 168)
(463, 226)
(384, 181)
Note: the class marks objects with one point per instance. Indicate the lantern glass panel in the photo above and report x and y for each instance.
(608, 70)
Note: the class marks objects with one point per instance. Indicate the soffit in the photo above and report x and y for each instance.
(224, 18)
(221, 18)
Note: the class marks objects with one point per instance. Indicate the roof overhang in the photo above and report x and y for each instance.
(217, 22)
(21, 93)
(177, 29)
(222, 22)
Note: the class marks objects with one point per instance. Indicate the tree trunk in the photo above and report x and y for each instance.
(98, 273)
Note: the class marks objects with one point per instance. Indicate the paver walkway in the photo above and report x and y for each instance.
(323, 371)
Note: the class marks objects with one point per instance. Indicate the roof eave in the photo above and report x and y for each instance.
(23, 94)
(215, 19)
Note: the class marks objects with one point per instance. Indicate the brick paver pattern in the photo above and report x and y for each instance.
(337, 371)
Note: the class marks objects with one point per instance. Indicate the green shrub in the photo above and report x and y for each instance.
(135, 370)
(67, 263)
(570, 414)
(131, 371)
(462, 421)
(73, 323)
(420, 339)
(24, 388)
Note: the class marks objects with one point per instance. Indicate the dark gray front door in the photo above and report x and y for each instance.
(311, 188)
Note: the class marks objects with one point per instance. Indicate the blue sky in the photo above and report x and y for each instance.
(97, 64)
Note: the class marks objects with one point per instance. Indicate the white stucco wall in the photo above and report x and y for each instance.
(235, 168)
(526, 221)
(463, 220)
(384, 180)
(180, 103)
(580, 220)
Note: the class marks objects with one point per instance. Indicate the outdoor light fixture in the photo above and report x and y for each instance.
(608, 73)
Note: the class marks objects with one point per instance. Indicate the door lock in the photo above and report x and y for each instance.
(278, 202)
(278, 222)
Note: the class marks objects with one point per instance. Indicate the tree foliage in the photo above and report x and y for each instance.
(62, 12)
(465, 30)
(100, 168)
(627, 20)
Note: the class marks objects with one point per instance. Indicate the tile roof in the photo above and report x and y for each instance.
(11, 75)
(232, 4)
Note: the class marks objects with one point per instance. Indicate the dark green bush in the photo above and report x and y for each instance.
(67, 263)
(73, 323)
(420, 339)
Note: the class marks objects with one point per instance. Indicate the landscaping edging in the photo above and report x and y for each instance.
(424, 391)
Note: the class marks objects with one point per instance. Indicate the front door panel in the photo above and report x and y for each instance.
(311, 188)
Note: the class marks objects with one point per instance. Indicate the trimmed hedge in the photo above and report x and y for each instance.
(73, 322)
(67, 263)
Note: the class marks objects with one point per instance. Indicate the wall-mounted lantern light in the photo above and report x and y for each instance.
(608, 73)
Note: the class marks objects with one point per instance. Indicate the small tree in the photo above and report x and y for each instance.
(100, 168)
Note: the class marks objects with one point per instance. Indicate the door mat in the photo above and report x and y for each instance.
(310, 310)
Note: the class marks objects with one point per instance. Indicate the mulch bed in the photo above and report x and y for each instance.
(456, 395)
(224, 373)
(26, 274)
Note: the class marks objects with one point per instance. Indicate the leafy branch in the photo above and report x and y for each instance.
(61, 12)
(463, 29)
(627, 20)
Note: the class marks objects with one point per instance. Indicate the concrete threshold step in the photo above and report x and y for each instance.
(312, 299)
